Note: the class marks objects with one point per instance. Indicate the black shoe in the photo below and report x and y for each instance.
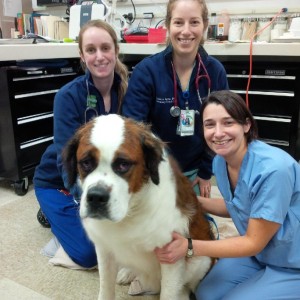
(42, 219)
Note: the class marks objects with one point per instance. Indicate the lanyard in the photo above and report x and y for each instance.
(175, 109)
(91, 103)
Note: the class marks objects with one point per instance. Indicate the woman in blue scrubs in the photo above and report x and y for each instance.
(260, 185)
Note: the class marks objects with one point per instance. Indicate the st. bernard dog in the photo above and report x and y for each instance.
(134, 196)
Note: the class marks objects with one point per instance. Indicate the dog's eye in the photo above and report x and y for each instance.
(121, 166)
(87, 165)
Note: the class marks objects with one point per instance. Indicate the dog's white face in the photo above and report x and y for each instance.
(101, 170)
(115, 158)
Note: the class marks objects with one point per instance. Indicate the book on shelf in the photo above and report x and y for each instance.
(48, 23)
(20, 25)
(61, 30)
(45, 25)
(27, 23)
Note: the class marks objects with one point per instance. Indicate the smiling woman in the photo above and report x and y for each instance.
(248, 173)
(167, 89)
(227, 133)
(99, 50)
(98, 92)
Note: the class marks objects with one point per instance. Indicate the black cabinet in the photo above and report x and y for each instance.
(274, 97)
(26, 115)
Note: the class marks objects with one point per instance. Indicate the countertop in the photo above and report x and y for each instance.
(10, 52)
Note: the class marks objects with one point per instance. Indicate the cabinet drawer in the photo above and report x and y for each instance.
(34, 105)
(263, 82)
(274, 129)
(40, 83)
(261, 68)
(275, 104)
(34, 127)
(31, 152)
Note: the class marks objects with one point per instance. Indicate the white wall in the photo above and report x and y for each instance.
(251, 6)
(158, 7)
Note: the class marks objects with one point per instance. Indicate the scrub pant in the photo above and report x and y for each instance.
(191, 175)
(62, 213)
(245, 278)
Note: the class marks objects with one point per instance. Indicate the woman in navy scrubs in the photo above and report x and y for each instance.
(100, 91)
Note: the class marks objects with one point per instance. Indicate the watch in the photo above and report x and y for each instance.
(190, 251)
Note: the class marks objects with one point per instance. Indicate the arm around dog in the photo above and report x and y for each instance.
(258, 234)
(215, 206)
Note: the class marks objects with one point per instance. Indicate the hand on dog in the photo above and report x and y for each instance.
(173, 251)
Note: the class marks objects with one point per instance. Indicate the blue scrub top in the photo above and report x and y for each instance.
(268, 188)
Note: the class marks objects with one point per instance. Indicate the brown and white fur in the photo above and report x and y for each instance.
(134, 197)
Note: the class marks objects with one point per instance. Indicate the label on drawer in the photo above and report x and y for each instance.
(275, 72)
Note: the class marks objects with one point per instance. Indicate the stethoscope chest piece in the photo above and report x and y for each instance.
(175, 111)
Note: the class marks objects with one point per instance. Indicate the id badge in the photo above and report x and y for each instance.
(186, 123)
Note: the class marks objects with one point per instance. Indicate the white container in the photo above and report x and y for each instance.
(235, 30)
(265, 35)
(276, 33)
(295, 24)
(280, 23)
(295, 27)
(249, 28)
(296, 33)
(280, 27)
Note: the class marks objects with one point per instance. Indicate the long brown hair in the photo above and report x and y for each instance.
(170, 8)
(120, 68)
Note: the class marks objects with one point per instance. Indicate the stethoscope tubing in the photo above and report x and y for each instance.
(198, 77)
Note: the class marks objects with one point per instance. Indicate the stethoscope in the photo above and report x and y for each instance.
(91, 104)
(175, 109)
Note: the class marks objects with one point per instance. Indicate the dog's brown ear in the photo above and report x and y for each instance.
(70, 160)
(153, 153)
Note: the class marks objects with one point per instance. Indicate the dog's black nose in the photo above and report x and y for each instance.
(97, 196)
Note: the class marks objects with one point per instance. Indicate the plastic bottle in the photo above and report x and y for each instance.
(223, 27)
(212, 27)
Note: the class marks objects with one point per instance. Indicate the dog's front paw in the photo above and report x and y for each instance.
(125, 276)
(136, 288)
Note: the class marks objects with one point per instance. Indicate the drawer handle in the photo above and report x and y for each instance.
(261, 76)
(33, 118)
(35, 94)
(35, 142)
(276, 142)
(43, 76)
(272, 119)
(284, 94)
